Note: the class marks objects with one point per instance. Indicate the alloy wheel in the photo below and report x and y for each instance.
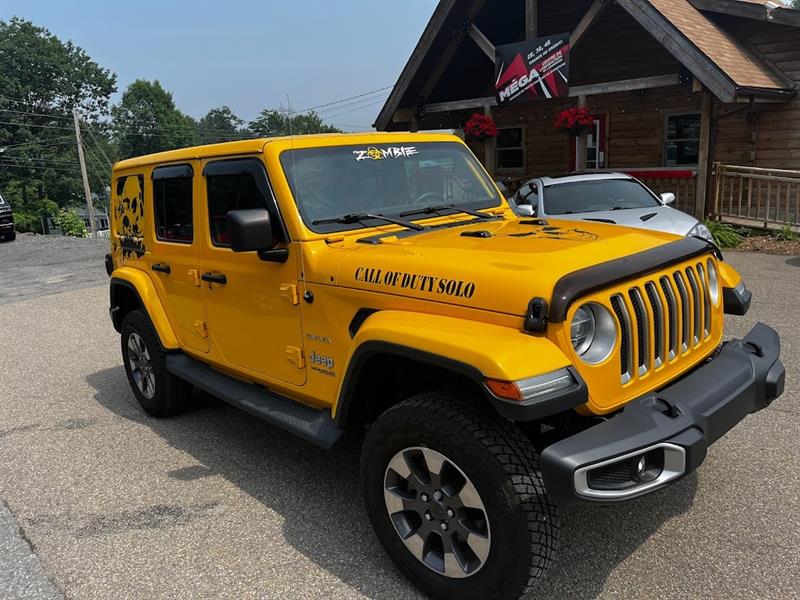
(141, 366)
(437, 512)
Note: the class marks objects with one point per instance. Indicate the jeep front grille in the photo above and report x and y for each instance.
(662, 319)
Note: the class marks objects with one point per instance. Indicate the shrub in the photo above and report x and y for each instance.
(787, 234)
(724, 235)
(70, 223)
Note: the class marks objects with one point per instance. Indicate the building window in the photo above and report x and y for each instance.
(227, 193)
(511, 149)
(682, 140)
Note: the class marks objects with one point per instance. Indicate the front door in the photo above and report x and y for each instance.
(595, 146)
(252, 306)
(175, 253)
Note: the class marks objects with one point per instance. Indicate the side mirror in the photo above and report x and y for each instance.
(250, 230)
(667, 198)
(502, 187)
(526, 210)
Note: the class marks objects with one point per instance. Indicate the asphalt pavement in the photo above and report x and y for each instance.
(98, 500)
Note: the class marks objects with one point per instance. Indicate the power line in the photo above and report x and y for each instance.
(363, 101)
(305, 110)
(355, 109)
(102, 181)
(34, 114)
(32, 125)
(97, 144)
(23, 145)
(40, 167)
(103, 168)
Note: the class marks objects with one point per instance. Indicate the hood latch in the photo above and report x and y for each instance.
(536, 319)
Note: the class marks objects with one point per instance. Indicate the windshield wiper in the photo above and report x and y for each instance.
(361, 217)
(434, 209)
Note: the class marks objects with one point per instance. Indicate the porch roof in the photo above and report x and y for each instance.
(684, 28)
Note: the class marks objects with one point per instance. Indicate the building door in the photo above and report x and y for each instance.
(252, 306)
(596, 141)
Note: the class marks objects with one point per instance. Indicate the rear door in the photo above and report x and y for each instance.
(252, 305)
(175, 253)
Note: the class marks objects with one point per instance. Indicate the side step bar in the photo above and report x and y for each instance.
(313, 425)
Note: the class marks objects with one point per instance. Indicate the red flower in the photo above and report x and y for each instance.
(480, 127)
(574, 120)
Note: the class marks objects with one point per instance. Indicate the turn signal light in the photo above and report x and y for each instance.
(533, 387)
(507, 390)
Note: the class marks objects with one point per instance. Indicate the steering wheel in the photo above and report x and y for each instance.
(426, 195)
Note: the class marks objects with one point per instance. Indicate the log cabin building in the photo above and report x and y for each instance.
(698, 97)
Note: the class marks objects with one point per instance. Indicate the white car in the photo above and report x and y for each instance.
(614, 198)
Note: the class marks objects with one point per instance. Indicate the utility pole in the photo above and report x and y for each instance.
(86, 189)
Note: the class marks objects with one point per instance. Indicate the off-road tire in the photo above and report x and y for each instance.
(10, 237)
(501, 463)
(172, 395)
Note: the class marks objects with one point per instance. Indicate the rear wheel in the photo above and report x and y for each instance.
(456, 497)
(159, 393)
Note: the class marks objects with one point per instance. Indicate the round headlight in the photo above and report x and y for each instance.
(582, 329)
(713, 282)
(593, 333)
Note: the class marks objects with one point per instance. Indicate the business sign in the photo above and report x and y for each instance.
(536, 68)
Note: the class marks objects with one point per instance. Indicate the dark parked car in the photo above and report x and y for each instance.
(6, 221)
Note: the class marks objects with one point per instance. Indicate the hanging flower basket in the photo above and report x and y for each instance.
(574, 121)
(480, 127)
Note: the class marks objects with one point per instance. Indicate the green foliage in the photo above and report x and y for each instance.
(41, 79)
(26, 222)
(272, 123)
(724, 235)
(220, 125)
(146, 120)
(68, 221)
(787, 234)
(795, 4)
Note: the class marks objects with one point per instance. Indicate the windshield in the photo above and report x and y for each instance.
(386, 180)
(598, 195)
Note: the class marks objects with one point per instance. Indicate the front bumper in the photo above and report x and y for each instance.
(664, 435)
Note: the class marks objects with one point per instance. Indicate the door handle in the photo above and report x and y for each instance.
(161, 268)
(214, 278)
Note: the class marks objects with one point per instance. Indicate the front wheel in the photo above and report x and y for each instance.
(158, 391)
(456, 497)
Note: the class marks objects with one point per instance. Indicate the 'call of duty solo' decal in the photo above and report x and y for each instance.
(439, 286)
(384, 153)
(129, 215)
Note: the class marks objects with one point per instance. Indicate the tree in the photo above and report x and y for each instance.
(41, 80)
(275, 123)
(146, 120)
(220, 125)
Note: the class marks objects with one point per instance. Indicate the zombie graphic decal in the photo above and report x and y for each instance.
(129, 216)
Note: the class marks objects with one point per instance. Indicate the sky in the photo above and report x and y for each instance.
(248, 55)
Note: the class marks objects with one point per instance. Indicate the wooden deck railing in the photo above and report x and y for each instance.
(680, 181)
(756, 196)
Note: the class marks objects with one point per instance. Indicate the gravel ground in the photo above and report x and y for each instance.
(38, 265)
(216, 504)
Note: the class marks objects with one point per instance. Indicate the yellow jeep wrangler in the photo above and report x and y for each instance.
(501, 365)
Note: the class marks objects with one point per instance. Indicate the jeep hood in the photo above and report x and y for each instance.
(497, 265)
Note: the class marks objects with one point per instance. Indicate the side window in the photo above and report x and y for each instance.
(227, 193)
(172, 204)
